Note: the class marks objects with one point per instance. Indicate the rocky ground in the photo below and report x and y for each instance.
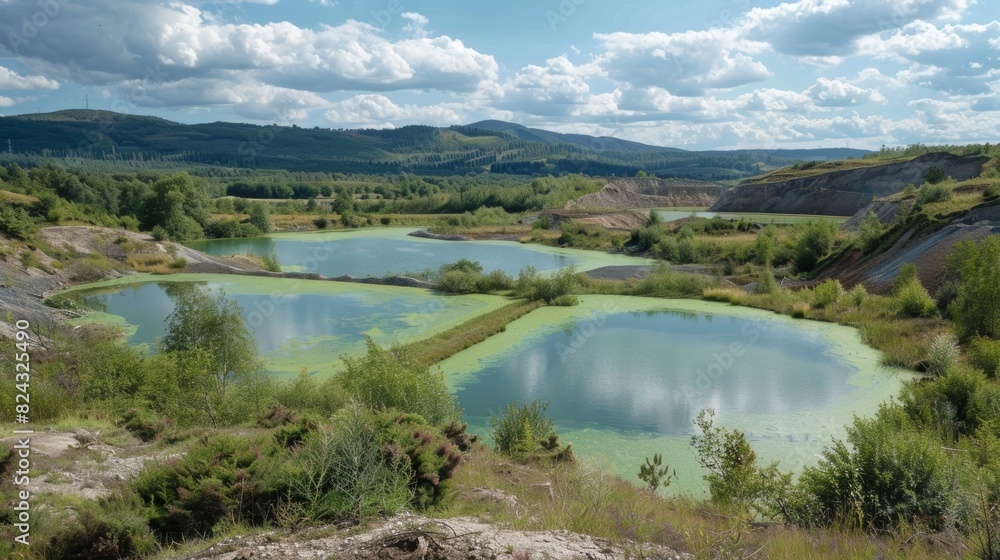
(413, 537)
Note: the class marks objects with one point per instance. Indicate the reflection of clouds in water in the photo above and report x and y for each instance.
(534, 365)
(648, 373)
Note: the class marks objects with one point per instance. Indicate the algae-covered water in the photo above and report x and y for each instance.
(625, 377)
(378, 252)
(674, 214)
(298, 323)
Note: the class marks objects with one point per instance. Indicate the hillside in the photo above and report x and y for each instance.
(625, 193)
(491, 146)
(843, 192)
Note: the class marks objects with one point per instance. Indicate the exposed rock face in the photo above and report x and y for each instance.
(843, 193)
(648, 192)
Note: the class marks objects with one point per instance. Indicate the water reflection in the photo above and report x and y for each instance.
(378, 256)
(653, 371)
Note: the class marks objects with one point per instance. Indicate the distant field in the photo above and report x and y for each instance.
(674, 214)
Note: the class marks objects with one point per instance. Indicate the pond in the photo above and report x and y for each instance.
(674, 214)
(625, 377)
(298, 323)
(378, 252)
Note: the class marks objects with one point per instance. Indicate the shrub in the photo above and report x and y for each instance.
(525, 430)
(766, 283)
(951, 405)
(976, 310)
(160, 234)
(225, 477)
(566, 301)
(942, 354)
(535, 287)
(934, 175)
(109, 529)
(870, 232)
(799, 309)
(858, 295)
(495, 281)
(145, 425)
(458, 282)
(827, 293)
(814, 244)
(984, 354)
(735, 478)
(342, 472)
(430, 456)
(930, 193)
(912, 300)
(887, 474)
(391, 378)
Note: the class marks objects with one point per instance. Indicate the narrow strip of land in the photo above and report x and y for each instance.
(454, 340)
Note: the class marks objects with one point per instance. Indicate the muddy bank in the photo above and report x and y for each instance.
(843, 193)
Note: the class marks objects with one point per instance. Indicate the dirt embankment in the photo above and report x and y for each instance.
(886, 210)
(647, 192)
(928, 252)
(843, 193)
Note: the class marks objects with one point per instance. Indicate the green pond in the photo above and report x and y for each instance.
(378, 252)
(674, 214)
(625, 377)
(297, 323)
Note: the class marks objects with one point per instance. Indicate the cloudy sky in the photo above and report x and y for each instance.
(692, 74)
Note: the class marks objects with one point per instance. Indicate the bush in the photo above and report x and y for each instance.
(930, 193)
(827, 293)
(342, 472)
(566, 301)
(225, 477)
(976, 310)
(534, 287)
(912, 300)
(934, 175)
(391, 379)
(735, 478)
(431, 456)
(109, 529)
(814, 244)
(524, 430)
(766, 283)
(886, 475)
(984, 355)
(942, 354)
(870, 232)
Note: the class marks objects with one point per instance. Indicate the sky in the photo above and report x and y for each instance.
(706, 74)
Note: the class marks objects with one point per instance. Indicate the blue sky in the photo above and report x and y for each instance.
(697, 75)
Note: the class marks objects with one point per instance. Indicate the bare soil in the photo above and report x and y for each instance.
(413, 537)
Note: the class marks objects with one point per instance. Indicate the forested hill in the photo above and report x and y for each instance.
(486, 146)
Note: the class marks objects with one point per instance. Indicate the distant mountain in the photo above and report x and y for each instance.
(553, 138)
(494, 146)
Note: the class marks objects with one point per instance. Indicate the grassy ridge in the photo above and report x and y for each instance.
(460, 337)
